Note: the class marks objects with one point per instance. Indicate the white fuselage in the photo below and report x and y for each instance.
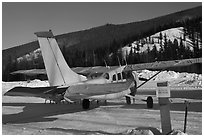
(111, 85)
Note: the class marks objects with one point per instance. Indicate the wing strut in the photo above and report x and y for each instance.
(157, 74)
(149, 79)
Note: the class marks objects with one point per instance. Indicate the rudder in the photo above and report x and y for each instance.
(58, 71)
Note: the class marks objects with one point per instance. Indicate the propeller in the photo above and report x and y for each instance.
(136, 80)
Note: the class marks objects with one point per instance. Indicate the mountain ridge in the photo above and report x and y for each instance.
(105, 35)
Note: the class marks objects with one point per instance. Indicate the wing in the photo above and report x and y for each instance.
(42, 92)
(163, 64)
(91, 71)
(31, 72)
(86, 71)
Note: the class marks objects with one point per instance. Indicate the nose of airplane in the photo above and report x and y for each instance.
(135, 76)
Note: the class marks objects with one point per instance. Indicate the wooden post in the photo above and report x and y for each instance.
(163, 94)
(186, 113)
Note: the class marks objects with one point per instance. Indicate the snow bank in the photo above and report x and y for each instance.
(175, 78)
(138, 132)
(32, 83)
(150, 131)
(164, 75)
(37, 83)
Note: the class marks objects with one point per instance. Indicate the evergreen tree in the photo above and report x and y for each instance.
(181, 49)
(148, 57)
(160, 38)
(161, 53)
(165, 52)
(130, 57)
(154, 53)
(175, 49)
(170, 50)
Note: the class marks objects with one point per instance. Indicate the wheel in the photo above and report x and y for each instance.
(85, 104)
(149, 102)
(128, 100)
(105, 102)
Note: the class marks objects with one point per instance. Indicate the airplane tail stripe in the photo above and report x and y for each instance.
(56, 60)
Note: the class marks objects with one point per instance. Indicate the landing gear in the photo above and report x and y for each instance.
(48, 100)
(128, 100)
(105, 102)
(85, 104)
(97, 102)
(149, 102)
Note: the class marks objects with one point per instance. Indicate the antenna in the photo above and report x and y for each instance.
(119, 61)
(125, 61)
(106, 64)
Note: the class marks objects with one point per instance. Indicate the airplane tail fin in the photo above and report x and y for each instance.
(58, 71)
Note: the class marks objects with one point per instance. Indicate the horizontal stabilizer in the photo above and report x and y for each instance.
(34, 91)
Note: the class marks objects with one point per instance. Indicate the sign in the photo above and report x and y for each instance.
(163, 94)
(163, 90)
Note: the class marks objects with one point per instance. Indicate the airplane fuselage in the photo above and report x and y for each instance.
(111, 85)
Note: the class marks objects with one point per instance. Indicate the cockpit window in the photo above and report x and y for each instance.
(94, 75)
(106, 76)
(114, 77)
(124, 75)
(119, 76)
(127, 75)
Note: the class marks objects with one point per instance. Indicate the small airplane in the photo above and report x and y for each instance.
(65, 84)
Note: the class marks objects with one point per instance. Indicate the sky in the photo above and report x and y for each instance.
(21, 19)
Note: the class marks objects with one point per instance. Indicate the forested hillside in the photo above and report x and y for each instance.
(91, 47)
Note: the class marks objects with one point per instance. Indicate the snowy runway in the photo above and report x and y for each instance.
(29, 115)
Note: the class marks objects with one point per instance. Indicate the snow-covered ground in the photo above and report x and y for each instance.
(29, 115)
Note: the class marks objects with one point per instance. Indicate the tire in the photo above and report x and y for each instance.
(149, 102)
(85, 104)
(128, 100)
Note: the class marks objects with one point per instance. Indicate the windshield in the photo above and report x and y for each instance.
(106, 76)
